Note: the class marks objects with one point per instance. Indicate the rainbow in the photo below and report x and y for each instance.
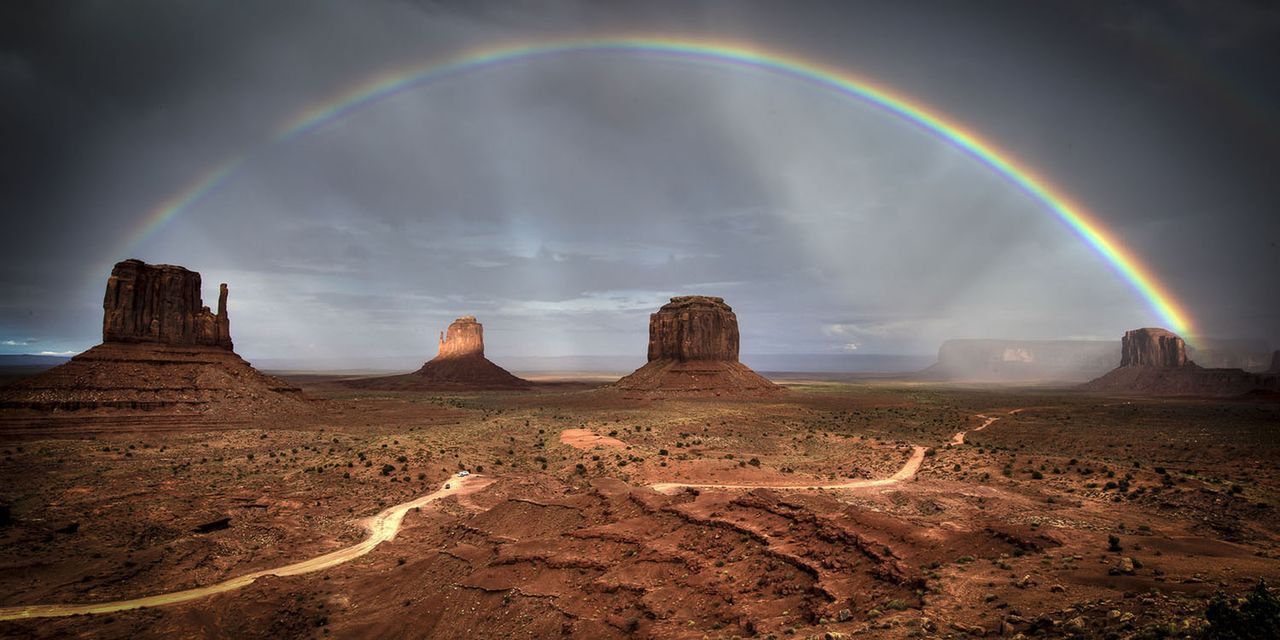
(391, 83)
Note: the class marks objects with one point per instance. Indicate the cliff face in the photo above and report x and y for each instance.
(1158, 348)
(464, 338)
(459, 365)
(694, 328)
(161, 304)
(693, 349)
(163, 352)
(1154, 362)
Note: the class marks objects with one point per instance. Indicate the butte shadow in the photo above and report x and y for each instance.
(459, 365)
(693, 351)
(162, 352)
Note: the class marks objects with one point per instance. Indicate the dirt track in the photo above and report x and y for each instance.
(958, 439)
(382, 527)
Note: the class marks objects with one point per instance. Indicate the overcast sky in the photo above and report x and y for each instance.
(561, 200)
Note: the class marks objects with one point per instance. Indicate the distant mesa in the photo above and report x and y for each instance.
(459, 365)
(1154, 362)
(162, 350)
(1016, 361)
(693, 349)
(1219, 353)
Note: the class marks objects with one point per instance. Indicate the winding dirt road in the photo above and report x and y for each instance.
(958, 438)
(907, 471)
(382, 527)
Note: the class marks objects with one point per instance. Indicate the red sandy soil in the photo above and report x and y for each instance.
(585, 439)
(1007, 531)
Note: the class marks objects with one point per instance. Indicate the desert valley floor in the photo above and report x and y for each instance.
(850, 507)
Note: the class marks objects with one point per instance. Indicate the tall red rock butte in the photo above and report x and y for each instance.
(161, 304)
(693, 349)
(1152, 348)
(162, 351)
(1154, 362)
(459, 365)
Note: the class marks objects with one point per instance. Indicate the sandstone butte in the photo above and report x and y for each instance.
(693, 349)
(1154, 362)
(162, 350)
(460, 365)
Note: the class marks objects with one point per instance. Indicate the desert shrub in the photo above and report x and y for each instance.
(1257, 615)
(1113, 543)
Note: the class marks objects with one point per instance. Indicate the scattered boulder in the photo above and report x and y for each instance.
(162, 351)
(460, 364)
(693, 349)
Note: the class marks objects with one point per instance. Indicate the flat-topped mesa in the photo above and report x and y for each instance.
(693, 349)
(1152, 348)
(464, 338)
(161, 304)
(1154, 362)
(694, 328)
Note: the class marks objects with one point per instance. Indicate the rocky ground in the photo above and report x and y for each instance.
(1072, 515)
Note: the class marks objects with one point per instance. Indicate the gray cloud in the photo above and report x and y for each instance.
(562, 199)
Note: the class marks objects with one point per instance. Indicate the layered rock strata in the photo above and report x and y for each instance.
(1154, 362)
(460, 364)
(161, 304)
(162, 351)
(693, 348)
(1159, 348)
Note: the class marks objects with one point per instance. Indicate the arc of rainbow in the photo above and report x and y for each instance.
(397, 81)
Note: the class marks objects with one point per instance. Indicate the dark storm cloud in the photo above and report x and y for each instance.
(561, 202)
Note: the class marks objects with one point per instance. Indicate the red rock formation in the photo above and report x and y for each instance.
(163, 351)
(459, 365)
(1152, 348)
(694, 328)
(161, 304)
(463, 339)
(693, 348)
(1154, 362)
